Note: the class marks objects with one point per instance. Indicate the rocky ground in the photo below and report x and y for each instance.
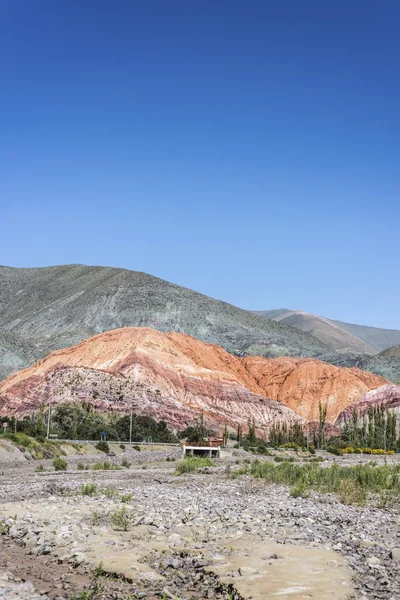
(148, 533)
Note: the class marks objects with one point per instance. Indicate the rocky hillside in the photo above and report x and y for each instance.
(387, 396)
(393, 352)
(301, 384)
(175, 377)
(338, 335)
(385, 366)
(55, 307)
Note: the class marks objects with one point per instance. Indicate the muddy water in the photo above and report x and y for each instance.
(256, 569)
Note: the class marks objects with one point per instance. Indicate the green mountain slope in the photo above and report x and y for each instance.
(55, 307)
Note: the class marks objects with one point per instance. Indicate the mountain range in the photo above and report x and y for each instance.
(175, 377)
(49, 308)
(45, 309)
(340, 336)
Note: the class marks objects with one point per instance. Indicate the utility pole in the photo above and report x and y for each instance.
(48, 422)
(130, 430)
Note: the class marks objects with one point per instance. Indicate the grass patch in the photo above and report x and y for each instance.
(60, 464)
(125, 497)
(192, 464)
(39, 448)
(88, 489)
(82, 467)
(105, 465)
(350, 484)
(109, 492)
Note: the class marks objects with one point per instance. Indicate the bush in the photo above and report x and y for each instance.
(105, 465)
(137, 448)
(109, 492)
(350, 493)
(334, 450)
(299, 491)
(88, 489)
(122, 446)
(311, 450)
(39, 469)
(60, 464)
(103, 446)
(82, 467)
(121, 519)
(280, 459)
(191, 464)
(125, 497)
(125, 463)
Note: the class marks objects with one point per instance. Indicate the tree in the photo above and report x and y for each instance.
(323, 409)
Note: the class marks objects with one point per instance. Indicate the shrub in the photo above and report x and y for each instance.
(349, 450)
(39, 469)
(88, 489)
(137, 448)
(191, 464)
(103, 446)
(263, 450)
(125, 463)
(367, 451)
(357, 451)
(105, 465)
(82, 467)
(280, 459)
(311, 449)
(334, 450)
(121, 519)
(122, 446)
(125, 497)
(299, 491)
(60, 464)
(109, 492)
(350, 493)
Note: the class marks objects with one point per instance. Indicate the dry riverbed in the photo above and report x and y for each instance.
(144, 532)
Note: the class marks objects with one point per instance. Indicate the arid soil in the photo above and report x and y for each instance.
(149, 533)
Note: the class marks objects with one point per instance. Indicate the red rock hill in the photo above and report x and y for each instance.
(174, 377)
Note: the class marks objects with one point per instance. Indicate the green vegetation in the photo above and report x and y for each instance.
(350, 484)
(38, 448)
(125, 463)
(88, 489)
(292, 434)
(376, 430)
(191, 464)
(105, 465)
(121, 519)
(195, 433)
(60, 464)
(103, 446)
(75, 421)
(125, 497)
(109, 492)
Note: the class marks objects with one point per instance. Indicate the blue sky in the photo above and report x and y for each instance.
(247, 150)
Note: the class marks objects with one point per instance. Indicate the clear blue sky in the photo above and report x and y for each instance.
(247, 150)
